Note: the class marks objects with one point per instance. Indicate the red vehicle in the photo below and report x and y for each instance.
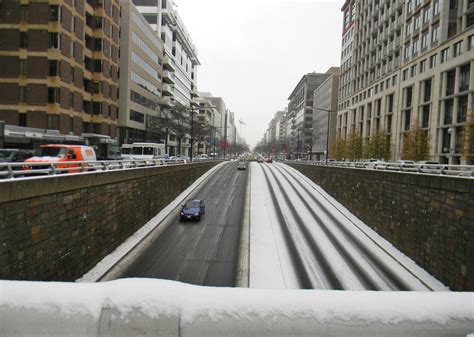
(269, 160)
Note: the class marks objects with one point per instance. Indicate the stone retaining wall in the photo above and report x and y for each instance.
(429, 218)
(58, 227)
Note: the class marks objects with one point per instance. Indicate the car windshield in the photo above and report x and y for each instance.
(59, 152)
(5, 154)
(193, 204)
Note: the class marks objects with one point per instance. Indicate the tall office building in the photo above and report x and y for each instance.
(180, 58)
(300, 112)
(141, 94)
(325, 100)
(58, 69)
(408, 62)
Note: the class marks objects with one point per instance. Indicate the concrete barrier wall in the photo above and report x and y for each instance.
(58, 227)
(429, 218)
(164, 308)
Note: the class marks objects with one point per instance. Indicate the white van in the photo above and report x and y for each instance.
(143, 151)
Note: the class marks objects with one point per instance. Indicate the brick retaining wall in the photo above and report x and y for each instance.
(58, 227)
(429, 218)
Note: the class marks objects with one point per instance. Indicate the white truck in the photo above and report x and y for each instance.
(143, 151)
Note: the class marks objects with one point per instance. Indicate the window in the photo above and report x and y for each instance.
(409, 6)
(413, 71)
(462, 109)
(425, 116)
(422, 66)
(448, 112)
(73, 23)
(407, 117)
(54, 40)
(54, 13)
(450, 81)
(71, 99)
(416, 22)
(53, 122)
(433, 61)
(408, 97)
(426, 15)
(427, 91)
(23, 67)
(22, 94)
(137, 116)
(97, 44)
(24, 12)
(471, 43)
(424, 40)
(414, 48)
(53, 66)
(435, 7)
(407, 52)
(408, 28)
(444, 55)
(405, 74)
(457, 48)
(72, 49)
(72, 74)
(97, 87)
(22, 119)
(465, 74)
(23, 40)
(434, 34)
(53, 95)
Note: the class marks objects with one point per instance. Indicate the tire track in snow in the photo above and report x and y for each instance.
(330, 280)
(296, 257)
(380, 266)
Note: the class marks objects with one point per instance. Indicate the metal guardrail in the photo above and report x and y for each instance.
(24, 169)
(466, 171)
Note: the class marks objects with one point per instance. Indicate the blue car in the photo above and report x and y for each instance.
(192, 210)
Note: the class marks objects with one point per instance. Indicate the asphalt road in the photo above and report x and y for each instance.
(204, 252)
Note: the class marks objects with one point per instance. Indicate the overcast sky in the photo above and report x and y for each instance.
(254, 52)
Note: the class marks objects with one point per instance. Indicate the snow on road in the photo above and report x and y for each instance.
(331, 247)
(270, 262)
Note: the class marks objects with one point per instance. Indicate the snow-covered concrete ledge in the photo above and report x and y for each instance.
(143, 307)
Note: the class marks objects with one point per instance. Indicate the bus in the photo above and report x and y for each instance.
(143, 151)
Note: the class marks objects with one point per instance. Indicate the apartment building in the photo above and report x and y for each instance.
(58, 70)
(300, 110)
(141, 70)
(180, 58)
(325, 99)
(412, 64)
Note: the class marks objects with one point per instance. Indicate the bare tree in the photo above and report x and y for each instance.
(466, 139)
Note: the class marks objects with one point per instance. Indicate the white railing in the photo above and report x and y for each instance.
(426, 168)
(24, 169)
(134, 307)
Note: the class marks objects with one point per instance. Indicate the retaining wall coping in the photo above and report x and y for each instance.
(18, 189)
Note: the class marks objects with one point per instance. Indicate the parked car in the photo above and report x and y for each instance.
(269, 160)
(429, 166)
(241, 165)
(193, 209)
(68, 154)
(260, 160)
(14, 155)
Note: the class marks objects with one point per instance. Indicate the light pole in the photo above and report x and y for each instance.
(192, 133)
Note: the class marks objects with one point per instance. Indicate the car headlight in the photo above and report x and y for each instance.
(196, 214)
(182, 213)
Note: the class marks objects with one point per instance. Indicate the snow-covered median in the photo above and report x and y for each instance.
(143, 307)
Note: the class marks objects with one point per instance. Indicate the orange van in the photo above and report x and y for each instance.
(53, 153)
